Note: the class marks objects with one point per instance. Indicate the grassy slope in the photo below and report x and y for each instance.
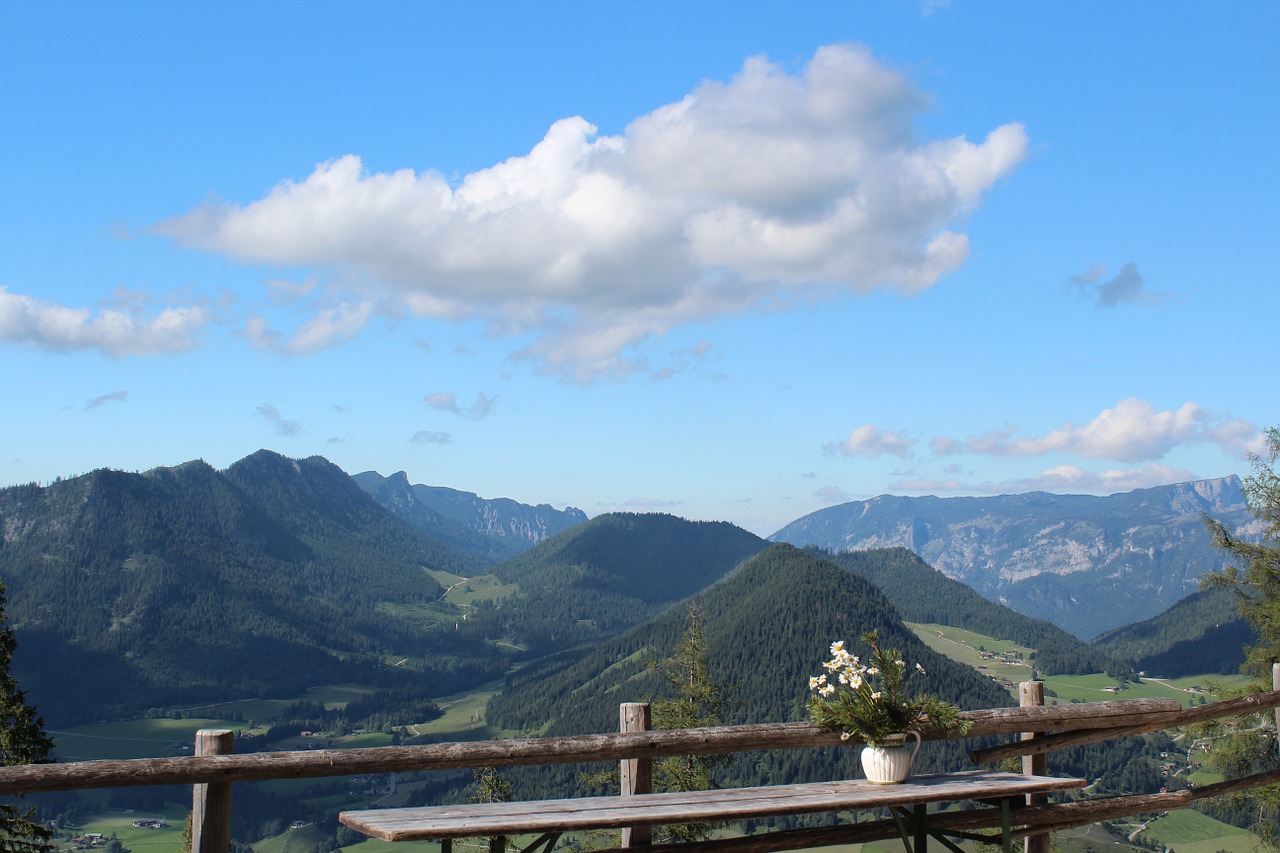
(963, 646)
(1183, 831)
(1189, 831)
(164, 840)
(464, 720)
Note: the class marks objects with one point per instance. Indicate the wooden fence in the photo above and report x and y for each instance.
(1041, 729)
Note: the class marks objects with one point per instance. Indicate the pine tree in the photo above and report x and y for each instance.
(22, 741)
(698, 702)
(1255, 580)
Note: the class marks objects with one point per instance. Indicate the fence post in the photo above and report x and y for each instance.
(1031, 693)
(635, 774)
(211, 802)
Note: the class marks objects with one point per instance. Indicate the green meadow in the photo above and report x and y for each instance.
(158, 738)
(1189, 831)
(464, 719)
(968, 647)
(166, 839)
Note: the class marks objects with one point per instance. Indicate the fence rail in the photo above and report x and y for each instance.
(1042, 729)
(577, 749)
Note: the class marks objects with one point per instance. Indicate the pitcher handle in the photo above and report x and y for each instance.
(916, 734)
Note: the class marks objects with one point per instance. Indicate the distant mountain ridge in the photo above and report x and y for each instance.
(1203, 632)
(1085, 563)
(491, 530)
(921, 593)
(129, 591)
(606, 575)
(768, 626)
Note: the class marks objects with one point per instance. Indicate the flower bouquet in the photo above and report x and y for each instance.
(869, 701)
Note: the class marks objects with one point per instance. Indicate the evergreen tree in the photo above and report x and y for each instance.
(698, 701)
(1255, 580)
(22, 741)
(490, 787)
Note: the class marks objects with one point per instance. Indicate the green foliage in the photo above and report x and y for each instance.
(189, 585)
(921, 593)
(22, 741)
(696, 701)
(607, 575)
(871, 702)
(761, 624)
(485, 531)
(1254, 579)
(490, 787)
(1203, 633)
(1141, 540)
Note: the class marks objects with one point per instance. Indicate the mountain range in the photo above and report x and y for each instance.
(1087, 564)
(485, 530)
(130, 591)
(184, 585)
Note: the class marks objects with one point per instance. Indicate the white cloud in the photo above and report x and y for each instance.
(869, 441)
(926, 485)
(447, 401)
(113, 397)
(1069, 478)
(650, 504)
(327, 328)
(832, 495)
(1132, 431)
(427, 436)
(742, 194)
(282, 425)
(115, 332)
(1128, 285)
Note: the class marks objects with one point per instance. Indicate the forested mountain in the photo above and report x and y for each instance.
(921, 593)
(602, 577)
(186, 584)
(1202, 633)
(1087, 564)
(395, 494)
(488, 530)
(768, 627)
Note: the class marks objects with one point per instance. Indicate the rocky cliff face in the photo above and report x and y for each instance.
(1086, 563)
(492, 529)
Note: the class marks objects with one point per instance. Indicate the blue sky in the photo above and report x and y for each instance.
(731, 261)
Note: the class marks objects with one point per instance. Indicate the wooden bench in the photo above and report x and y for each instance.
(553, 817)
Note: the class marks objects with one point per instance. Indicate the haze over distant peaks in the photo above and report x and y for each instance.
(1086, 563)
(490, 530)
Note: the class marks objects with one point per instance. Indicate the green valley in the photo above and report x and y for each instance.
(1008, 663)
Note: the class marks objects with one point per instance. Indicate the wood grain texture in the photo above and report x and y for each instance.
(576, 749)
(479, 819)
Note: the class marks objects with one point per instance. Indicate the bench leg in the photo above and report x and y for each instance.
(547, 841)
(902, 829)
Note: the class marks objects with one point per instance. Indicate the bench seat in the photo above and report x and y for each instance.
(730, 804)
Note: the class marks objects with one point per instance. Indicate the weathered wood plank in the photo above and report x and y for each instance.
(1230, 786)
(531, 751)
(478, 819)
(211, 803)
(1031, 695)
(1026, 821)
(635, 774)
(1155, 722)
